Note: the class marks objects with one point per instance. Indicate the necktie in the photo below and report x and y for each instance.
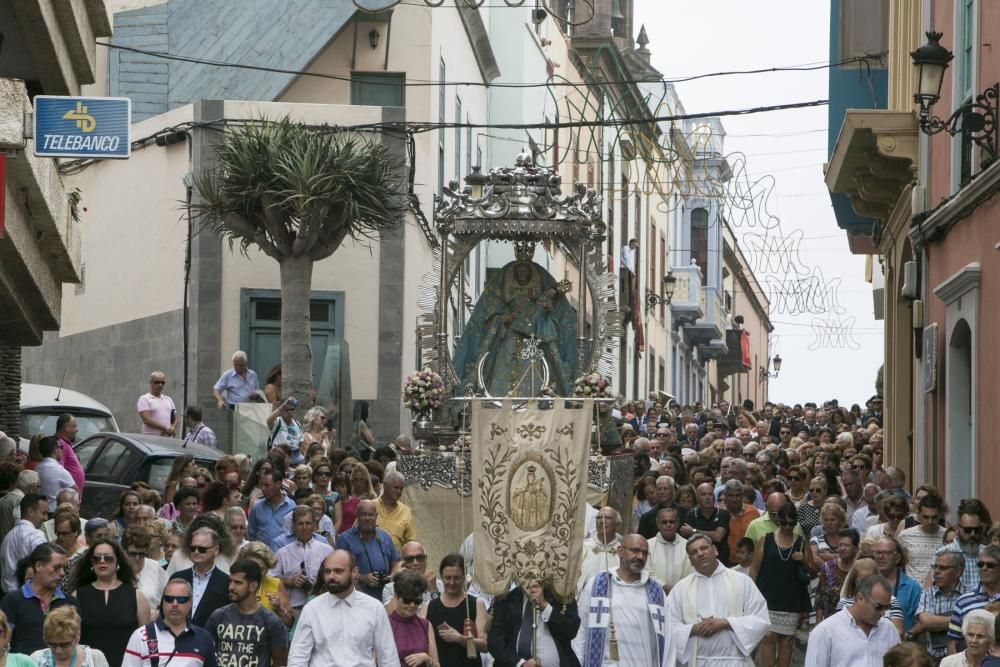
(524, 637)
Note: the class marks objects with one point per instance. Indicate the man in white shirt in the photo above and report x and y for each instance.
(859, 520)
(299, 562)
(342, 627)
(717, 615)
(668, 560)
(24, 537)
(52, 476)
(157, 410)
(923, 540)
(600, 552)
(64, 497)
(858, 636)
(622, 615)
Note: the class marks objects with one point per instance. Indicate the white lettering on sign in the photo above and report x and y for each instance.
(75, 142)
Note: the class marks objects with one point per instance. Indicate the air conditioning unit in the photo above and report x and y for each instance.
(910, 288)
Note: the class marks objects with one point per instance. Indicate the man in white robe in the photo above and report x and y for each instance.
(600, 552)
(624, 606)
(668, 559)
(717, 616)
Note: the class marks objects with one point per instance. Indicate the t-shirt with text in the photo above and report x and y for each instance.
(246, 640)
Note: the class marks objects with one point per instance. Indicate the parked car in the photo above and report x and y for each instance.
(112, 462)
(42, 404)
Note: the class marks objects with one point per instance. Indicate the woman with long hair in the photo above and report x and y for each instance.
(360, 489)
(128, 508)
(183, 466)
(780, 569)
(110, 604)
(643, 497)
(314, 430)
(188, 504)
(823, 547)
(322, 476)
(215, 498)
(455, 614)
(363, 445)
(272, 593)
(272, 384)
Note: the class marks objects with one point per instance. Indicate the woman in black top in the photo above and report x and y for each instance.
(449, 616)
(111, 606)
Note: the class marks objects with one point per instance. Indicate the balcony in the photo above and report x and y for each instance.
(731, 362)
(873, 161)
(709, 333)
(688, 302)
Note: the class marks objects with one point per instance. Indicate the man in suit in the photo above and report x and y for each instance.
(530, 628)
(209, 584)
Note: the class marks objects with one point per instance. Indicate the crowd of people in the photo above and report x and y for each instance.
(749, 532)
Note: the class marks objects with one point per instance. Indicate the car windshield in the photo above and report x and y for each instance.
(42, 422)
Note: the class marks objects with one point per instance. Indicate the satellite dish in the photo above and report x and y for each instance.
(375, 5)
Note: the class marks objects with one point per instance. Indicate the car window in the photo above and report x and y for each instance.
(157, 472)
(111, 458)
(87, 425)
(86, 451)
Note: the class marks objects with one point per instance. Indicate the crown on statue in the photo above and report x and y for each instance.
(524, 251)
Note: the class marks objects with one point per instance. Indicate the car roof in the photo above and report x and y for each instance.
(158, 445)
(34, 396)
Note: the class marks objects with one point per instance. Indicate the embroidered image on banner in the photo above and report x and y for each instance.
(529, 485)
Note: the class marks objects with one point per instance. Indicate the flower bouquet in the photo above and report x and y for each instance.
(591, 385)
(423, 391)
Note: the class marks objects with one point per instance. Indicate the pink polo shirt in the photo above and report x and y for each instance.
(72, 463)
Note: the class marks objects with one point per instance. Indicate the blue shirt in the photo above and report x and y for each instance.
(976, 599)
(236, 389)
(374, 555)
(907, 591)
(266, 522)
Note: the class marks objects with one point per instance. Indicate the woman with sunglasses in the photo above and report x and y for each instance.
(150, 577)
(780, 569)
(113, 607)
(322, 476)
(808, 510)
(798, 484)
(61, 632)
(414, 635)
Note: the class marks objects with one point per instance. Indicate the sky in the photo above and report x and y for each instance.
(695, 37)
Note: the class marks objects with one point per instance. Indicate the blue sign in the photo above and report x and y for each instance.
(83, 127)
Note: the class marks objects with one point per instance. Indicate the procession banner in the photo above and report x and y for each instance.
(529, 481)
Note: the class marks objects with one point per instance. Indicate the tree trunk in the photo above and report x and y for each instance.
(10, 390)
(296, 347)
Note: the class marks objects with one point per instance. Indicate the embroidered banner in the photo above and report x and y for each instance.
(529, 483)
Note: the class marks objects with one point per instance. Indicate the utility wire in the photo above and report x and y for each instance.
(426, 82)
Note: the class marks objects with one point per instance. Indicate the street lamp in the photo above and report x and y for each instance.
(976, 120)
(765, 373)
(373, 38)
(654, 299)
(476, 180)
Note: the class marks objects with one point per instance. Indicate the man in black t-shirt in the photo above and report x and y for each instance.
(245, 633)
(706, 518)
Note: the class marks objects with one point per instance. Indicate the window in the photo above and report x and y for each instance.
(378, 89)
(965, 81)
(458, 140)
(111, 458)
(699, 241)
(468, 145)
(441, 107)
(864, 28)
(86, 452)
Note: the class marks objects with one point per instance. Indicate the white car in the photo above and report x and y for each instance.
(42, 404)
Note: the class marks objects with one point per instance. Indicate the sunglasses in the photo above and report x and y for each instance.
(137, 554)
(986, 564)
(58, 645)
(176, 599)
(159, 382)
(418, 558)
(971, 530)
(200, 549)
(411, 600)
(323, 473)
(880, 608)
(102, 558)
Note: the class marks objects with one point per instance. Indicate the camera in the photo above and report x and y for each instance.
(330, 424)
(381, 578)
(293, 403)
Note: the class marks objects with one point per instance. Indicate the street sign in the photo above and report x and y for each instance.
(83, 127)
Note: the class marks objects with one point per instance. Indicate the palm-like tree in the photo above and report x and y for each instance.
(296, 193)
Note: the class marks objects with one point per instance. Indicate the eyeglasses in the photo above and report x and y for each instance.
(176, 599)
(986, 564)
(411, 600)
(159, 382)
(58, 645)
(879, 607)
(102, 558)
(137, 554)
(323, 473)
(200, 549)
(239, 528)
(417, 558)
(784, 432)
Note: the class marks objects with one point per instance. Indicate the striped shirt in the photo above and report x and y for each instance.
(970, 575)
(977, 599)
(839, 642)
(191, 648)
(936, 602)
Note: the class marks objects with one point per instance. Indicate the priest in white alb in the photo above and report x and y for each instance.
(717, 615)
(668, 559)
(623, 620)
(600, 552)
